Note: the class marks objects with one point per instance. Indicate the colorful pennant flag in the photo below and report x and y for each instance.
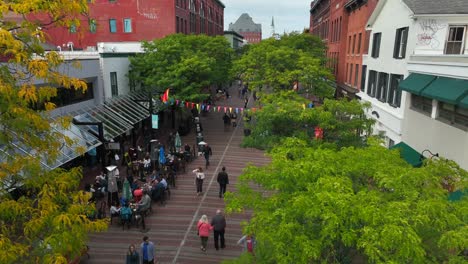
(165, 96)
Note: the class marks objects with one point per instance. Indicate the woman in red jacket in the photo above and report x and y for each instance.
(204, 228)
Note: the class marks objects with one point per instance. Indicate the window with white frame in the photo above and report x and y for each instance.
(422, 104)
(372, 83)
(382, 87)
(455, 40)
(401, 38)
(454, 115)
(376, 45)
(127, 25)
(394, 94)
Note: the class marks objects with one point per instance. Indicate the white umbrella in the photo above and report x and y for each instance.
(202, 143)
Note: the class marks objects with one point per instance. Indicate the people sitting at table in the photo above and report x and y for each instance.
(126, 215)
(164, 182)
(145, 202)
(115, 209)
(138, 194)
(157, 191)
(156, 175)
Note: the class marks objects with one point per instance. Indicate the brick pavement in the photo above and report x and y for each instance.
(173, 226)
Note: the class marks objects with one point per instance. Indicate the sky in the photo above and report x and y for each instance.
(291, 15)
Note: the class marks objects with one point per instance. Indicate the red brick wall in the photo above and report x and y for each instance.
(357, 26)
(252, 37)
(150, 19)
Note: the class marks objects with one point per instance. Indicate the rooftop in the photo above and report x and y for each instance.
(245, 23)
(422, 7)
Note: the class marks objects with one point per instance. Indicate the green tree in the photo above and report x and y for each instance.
(47, 221)
(283, 115)
(354, 205)
(187, 64)
(279, 64)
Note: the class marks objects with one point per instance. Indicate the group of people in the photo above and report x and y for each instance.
(222, 179)
(146, 255)
(218, 225)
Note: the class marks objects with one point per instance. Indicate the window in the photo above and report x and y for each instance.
(376, 45)
(346, 78)
(372, 85)
(453, 114)
(363, 77)
(349, 44)
(112, 25)
(356, 75)
(401, 38)
(339, 30)
(114, 87)
(127, 25)
(354, 43)
(72, 28)
(359, 43)
(92, 25)
(394, 94)
(382, 87)
(422, 104)
(455, 40)
(350, 73)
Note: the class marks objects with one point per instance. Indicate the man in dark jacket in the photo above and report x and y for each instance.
(223, 180)
(219, 224)
(207, 152)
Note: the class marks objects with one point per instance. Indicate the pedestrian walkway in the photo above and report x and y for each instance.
(173, 227)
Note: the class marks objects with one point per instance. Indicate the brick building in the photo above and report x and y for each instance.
(337, 22)
(137, 20)
(245, 26)
(357, 44)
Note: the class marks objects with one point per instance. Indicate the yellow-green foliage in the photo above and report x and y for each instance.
(48, 223)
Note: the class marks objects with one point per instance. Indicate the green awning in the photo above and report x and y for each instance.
(415, 83)
(458, 195)
(409, 154)
(448, 90)
(464, 102)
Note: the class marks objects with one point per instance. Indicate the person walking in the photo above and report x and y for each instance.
(200, 176)
(204, 228)
(147, 251)
(207, 152)
(223, 180)
(219, 225)
(132, 255)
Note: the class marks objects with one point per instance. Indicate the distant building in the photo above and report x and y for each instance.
(235, 39)
(245, 26)
(138, 20)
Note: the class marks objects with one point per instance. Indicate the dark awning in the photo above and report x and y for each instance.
(415, 83)
(409, 154)
(448, 90)
(117, 115)
(81, 142)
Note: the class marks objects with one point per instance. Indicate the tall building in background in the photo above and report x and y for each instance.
(341, 24)
(138, 20)
(245, 26)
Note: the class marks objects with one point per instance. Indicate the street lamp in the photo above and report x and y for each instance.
(432, 154)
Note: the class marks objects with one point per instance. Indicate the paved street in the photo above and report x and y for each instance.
(173, 227)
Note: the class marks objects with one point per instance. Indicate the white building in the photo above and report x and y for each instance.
(436, 109)
(392, 41)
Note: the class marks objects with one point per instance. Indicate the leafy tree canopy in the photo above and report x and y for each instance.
(46, 221)
(278, 64)
(354, 205)
(283, 115)
(185, 63)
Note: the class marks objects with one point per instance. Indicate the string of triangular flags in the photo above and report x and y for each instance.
(207, 107)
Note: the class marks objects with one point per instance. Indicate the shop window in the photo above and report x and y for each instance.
(453, 115)
(421, 104)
